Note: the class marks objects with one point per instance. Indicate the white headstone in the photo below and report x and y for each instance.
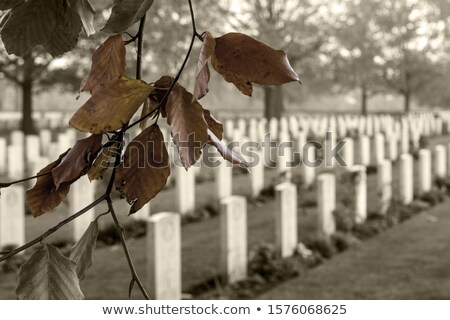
(285, 157)
(164, 256)
(45, 137)
(424, 171)
(233, 238)
(3, 156)
(360, 192)
(364, 150)
(257, 173)
(406, 181)
(308, 162)
(440, 161)
(286, 219)
(348, 153)
(82, 193)
(393, 148)
(384, 185)
(16, 166)
(32, 149)
(185, 189)
(404, 137)
(326, 201)
(379, 148)
(223, 179)
(12, 216)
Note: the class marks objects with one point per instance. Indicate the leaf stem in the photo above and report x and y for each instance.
(52, 230)
(121, 232)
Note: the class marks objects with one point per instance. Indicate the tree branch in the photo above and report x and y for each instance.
(52, 230)
(121, 232)
(8, 184)
(180, 71)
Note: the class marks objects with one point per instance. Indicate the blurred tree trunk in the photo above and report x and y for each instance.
(407, 101)
(27, 96)
(364, 97)
(273, 102)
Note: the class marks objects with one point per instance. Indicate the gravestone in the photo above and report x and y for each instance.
(308, 163)
(285, 154)
(286, 219)
(384, 186)
(12, 216)
(364, 150)
(440, 162)
(3, 156)
(16, 166)
(223, 179)
(45, 137)
(360, 192)
(185, 190)
(326, 201)
(406, 178)
(348, 153)
(233, 238)
(257, 173)
(82, 193)
(379, 148)
(424, 171)
(392, 147)
(164, 256)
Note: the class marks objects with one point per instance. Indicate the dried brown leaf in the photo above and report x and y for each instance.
(242, 60)
(203, 74)
(213, 124)
(78, 161)
(226, 152)
(103, 162)
(145, 168)
(188, 125)
(108, 62)
(44, 196)
(111, 106)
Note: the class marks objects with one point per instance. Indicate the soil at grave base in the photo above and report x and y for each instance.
(409, 261)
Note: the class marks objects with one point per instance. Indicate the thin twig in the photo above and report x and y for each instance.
(8, 184)
(121, 233)
(52, 230)
(140, 46)
(180, 71)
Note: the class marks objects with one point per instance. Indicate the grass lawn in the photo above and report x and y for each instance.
(109, 277)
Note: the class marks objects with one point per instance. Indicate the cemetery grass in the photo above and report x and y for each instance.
(109, 277)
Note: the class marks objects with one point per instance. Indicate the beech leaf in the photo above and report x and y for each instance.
(108, 63)
(8, 4)
(103, 161)
(226, 152)
(86, 13)
(125, 13)
(188, 125)
(48, 275)
(145, 168)
(49, 23)
(83, 251)
(213, 124)
(242, 60)
(78, 161)
(111, 106)
(44, 196)
(203, 74)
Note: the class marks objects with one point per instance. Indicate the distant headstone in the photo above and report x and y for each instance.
(379, 148)
(185, 189)
(16, 165)
(223, 179)
(308, 163)
(440, 161)
(233, 238)
(82, 193)
(326, 201)
(360, 192)
(364, 150)
(257, 173)
(286, 219)
(348, 153)
(424, 171)
(164, 256)
(406, 178)
(12, 216)
(384, 185)
(3, 156)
